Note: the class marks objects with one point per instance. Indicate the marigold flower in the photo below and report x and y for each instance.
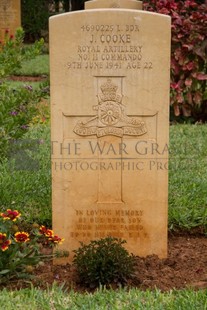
(5, 245)
(4, 242)
(2, 237)
(46, 232)
(10, 215)
(21, 236)
(56, 240)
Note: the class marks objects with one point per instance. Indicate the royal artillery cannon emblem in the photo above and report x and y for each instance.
(111, 118)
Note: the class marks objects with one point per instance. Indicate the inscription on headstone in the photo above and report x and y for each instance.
(10, 16)
(110, 106)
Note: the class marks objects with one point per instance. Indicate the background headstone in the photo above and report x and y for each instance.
(127, 4)
(110, 105)
(10, 17)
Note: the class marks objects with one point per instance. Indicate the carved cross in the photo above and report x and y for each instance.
(110, 124)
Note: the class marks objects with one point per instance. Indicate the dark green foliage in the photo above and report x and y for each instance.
(77, 5)
(66, 5)
(34, 17)
(104, 261)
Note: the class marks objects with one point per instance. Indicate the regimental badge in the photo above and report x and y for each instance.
(111, 118)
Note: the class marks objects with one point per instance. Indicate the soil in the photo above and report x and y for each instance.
(186, 266)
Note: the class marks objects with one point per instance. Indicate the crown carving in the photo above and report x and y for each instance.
(109, 92)
(109, 88)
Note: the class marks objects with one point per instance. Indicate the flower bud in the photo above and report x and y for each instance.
(35, 225)
(15, 228)
(29, 269)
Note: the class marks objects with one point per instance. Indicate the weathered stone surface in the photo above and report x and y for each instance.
(127, 4)
(10, 17)
(109, 106)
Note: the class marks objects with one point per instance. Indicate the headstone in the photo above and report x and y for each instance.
(132, 4)
(110, 106)
(10, 17)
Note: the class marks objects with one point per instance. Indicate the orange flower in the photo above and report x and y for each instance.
(2, 237)
(21, 236)
(10, 215)
(46, 232)
(56, 240)
(5, 245)
(4, 242)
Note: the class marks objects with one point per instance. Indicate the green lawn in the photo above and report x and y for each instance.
(39, 66)
(57, 299)
(35, 67)
(188, 176)
(15, 84)
(30, 191)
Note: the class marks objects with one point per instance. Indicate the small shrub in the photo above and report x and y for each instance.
(13, 52)
(103, 262)
(18, 107)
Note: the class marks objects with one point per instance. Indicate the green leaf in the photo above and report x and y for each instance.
(5, 271)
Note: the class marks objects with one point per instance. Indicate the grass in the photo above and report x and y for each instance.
(15, 84)
(188, 176)
(39, 66)
(35, 67)
(56, 298)
(30, 191)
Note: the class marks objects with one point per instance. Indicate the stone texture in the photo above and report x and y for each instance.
(110, 106)
(10, 16)
(127, 4)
